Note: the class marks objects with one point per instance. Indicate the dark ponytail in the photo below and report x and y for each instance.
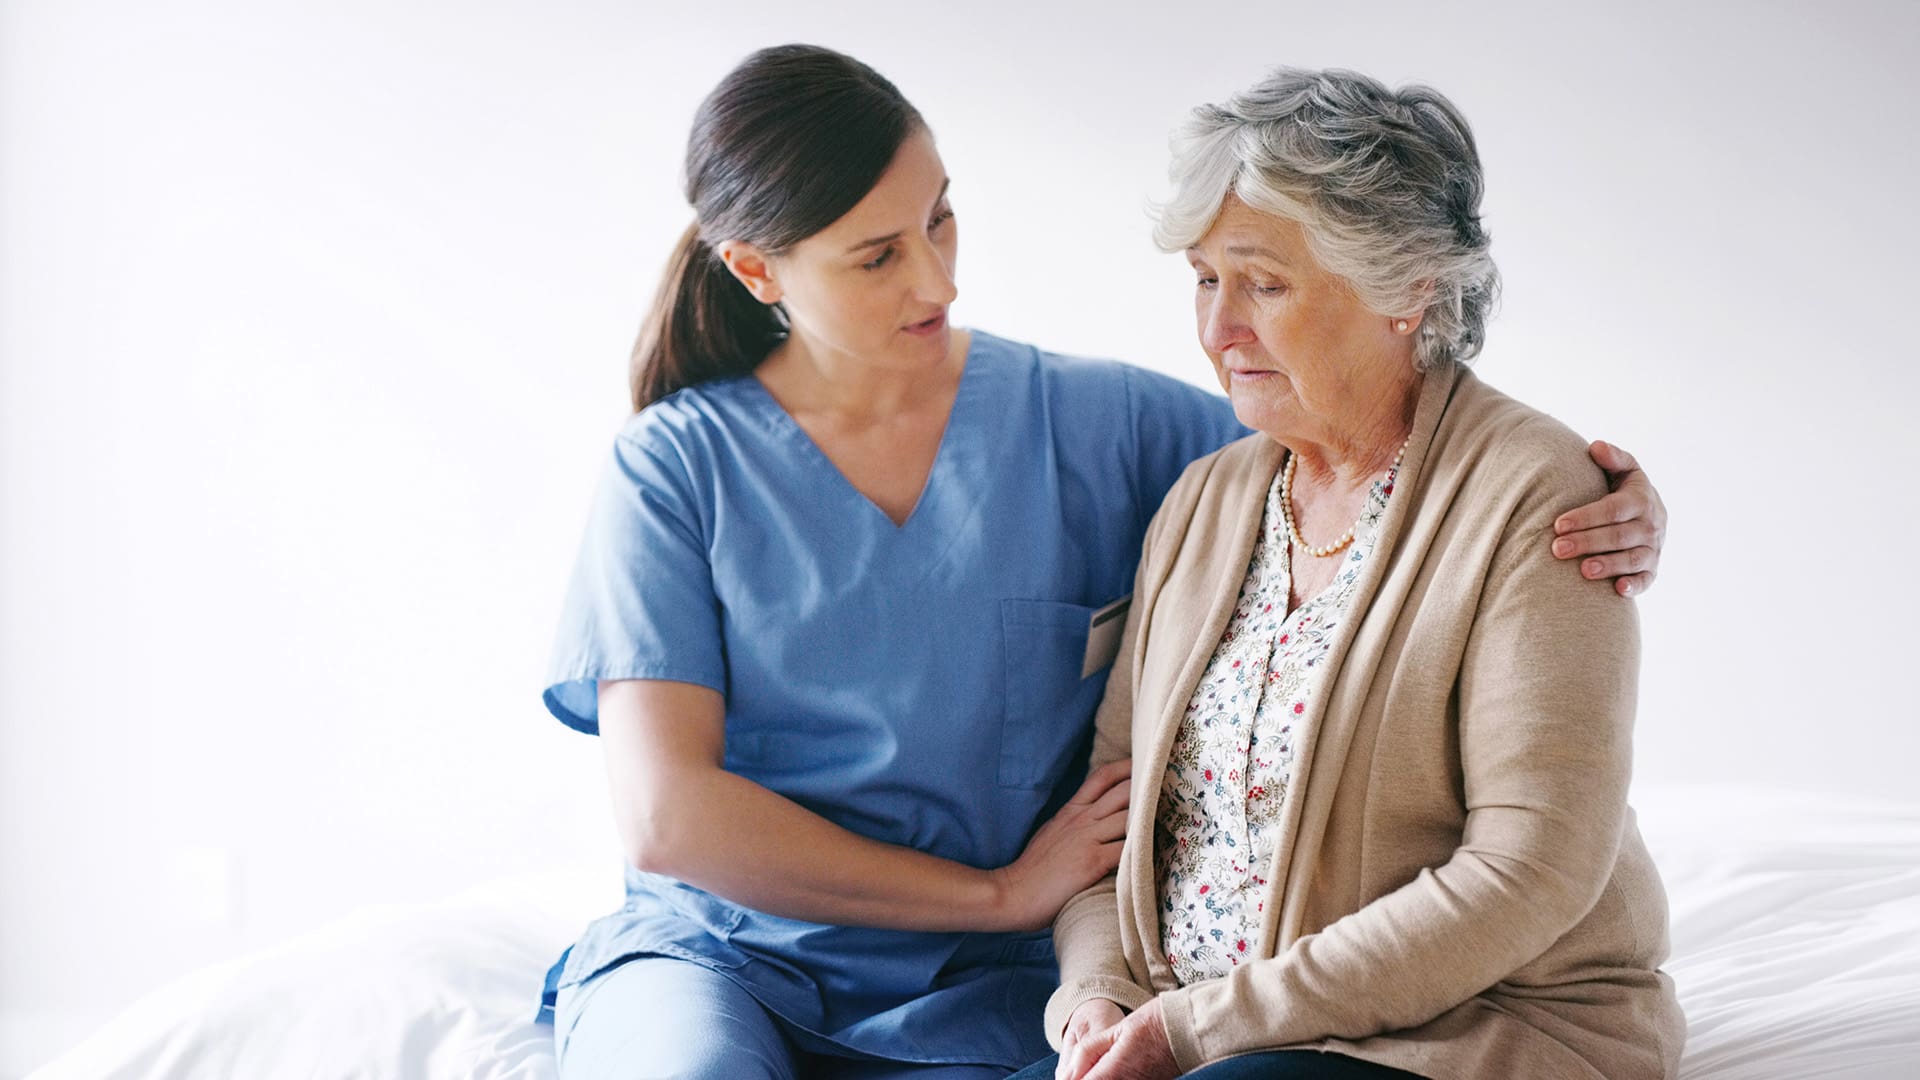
(704, 325)
(786, 144)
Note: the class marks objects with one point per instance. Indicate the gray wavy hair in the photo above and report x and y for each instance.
(1385, 183)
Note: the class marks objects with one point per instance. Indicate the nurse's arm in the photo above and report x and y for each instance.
(681, 814)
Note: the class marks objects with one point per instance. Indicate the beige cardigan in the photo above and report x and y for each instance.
(1459, 888)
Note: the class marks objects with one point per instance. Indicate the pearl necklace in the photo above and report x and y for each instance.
(1286, 506)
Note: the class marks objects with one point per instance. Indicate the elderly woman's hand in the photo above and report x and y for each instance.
(1136, 1048)
(1089, 1019)
(1623, 532)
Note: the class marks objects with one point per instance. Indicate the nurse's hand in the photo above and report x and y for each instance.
(1619, 536)
(1075, 848)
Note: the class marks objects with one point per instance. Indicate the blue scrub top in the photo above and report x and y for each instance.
(917, 684)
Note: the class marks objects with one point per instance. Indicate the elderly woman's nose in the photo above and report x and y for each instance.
(1222, 323)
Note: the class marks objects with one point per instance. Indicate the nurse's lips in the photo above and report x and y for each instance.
(931, 326)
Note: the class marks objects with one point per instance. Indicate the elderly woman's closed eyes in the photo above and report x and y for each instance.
(1381, 738)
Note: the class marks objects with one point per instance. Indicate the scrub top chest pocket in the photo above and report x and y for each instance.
(1049, 705)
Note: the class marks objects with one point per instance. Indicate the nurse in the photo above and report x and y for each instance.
(842, 614)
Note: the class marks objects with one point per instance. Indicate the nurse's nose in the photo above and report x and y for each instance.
(933, 277)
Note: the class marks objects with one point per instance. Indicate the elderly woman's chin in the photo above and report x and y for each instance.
(1263, 401)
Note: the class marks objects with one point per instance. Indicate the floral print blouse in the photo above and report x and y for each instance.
(1226, 781)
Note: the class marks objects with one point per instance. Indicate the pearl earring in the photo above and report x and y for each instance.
(1401, 326)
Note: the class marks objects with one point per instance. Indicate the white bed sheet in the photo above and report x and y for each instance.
(1796, 928)
(427, 991)
(1796, 931)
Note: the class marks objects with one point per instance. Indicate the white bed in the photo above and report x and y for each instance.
(1796, 929)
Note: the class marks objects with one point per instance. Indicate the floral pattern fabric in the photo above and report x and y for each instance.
(1226, 781)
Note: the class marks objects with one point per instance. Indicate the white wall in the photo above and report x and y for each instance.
(312, 331)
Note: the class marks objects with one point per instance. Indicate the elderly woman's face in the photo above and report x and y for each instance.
(1297, 352)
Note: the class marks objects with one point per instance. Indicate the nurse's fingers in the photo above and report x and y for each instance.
(1619, 564)
(1611, 458)
(1113, 803)
(1102, 780)
(1107, 829)
(1622, 537)
(1634, 584)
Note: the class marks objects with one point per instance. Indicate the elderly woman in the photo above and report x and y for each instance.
(1380, 740)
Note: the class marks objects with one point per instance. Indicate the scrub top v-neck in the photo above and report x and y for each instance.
(809, 447)
(959, 449)
(920, 684)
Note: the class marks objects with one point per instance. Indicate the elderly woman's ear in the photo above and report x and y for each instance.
(1621, 535)
(1410, 324)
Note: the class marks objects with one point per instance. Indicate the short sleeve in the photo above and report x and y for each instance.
(1174, 424)
(641, 603)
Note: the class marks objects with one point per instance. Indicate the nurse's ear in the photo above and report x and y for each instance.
(750, 267)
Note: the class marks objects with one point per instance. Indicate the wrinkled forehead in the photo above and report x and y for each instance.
(1239, 231)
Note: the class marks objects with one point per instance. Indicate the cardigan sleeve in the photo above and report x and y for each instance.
(1545, 695)
(1086, 933)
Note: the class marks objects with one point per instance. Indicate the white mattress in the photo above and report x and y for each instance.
(1796, 929)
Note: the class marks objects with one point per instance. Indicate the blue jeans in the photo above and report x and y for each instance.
(660, 1017)
(1272, 1065)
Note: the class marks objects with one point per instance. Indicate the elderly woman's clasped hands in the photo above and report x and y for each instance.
(1119, 1046)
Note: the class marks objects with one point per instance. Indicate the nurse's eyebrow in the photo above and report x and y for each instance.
(892, 236)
